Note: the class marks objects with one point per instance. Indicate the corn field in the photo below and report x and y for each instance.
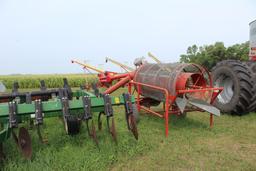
(51, 81)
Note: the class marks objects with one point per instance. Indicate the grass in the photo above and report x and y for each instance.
(191, 145)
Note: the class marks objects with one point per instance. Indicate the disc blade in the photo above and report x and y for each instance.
(205, 106)
(93, 134)
(133, 126)
(24, 141)
(113, 130)
(92, 131)
(99, 121)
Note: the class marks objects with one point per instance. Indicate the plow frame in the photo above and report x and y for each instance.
(168, 108)
(53, 108)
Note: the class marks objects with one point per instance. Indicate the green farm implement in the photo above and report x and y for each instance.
(73, 107)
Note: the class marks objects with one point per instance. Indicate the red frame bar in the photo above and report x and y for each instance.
(166, 104)
(169, 100)
(199, 90)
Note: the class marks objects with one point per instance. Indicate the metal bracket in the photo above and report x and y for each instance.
(15, 88)
(38, 112)
(67, 89)
(87, 107)
(128, 103)
(128, 107)
(96, 90)
(88, 116)
(62, 93)
(108, 109)
(42, 85)
(12, 114)
(39, 120)
(129, 115)
(28, 98)
(65, 107)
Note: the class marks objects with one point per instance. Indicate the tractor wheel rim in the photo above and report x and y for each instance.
(228, 88)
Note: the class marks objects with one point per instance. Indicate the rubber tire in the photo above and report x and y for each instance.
(242, 80)
(252, 67)
(136, 113)
(72, 125)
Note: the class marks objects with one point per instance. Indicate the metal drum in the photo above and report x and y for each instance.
(172, 77)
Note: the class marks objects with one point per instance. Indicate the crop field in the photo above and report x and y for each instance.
(191, 145)
(51, 81)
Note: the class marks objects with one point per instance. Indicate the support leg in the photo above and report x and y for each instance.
(42, 139)
(138, 98)
(211, 120)
(99, 120)
(92, 132)
(31, 124)
(166, 118)
(130, 88)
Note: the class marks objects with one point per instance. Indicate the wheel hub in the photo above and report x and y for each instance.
(227, 83)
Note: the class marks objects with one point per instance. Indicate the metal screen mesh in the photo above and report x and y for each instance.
(164, 76)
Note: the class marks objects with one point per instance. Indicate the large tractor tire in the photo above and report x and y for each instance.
(252, 67)
(236, 79)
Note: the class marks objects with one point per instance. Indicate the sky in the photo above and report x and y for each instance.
(42, 36)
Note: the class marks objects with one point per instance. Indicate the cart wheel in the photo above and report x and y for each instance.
(72, 125)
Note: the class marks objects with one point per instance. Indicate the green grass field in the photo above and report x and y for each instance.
(191, 145)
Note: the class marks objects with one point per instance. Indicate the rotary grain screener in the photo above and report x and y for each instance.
(179, 87)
